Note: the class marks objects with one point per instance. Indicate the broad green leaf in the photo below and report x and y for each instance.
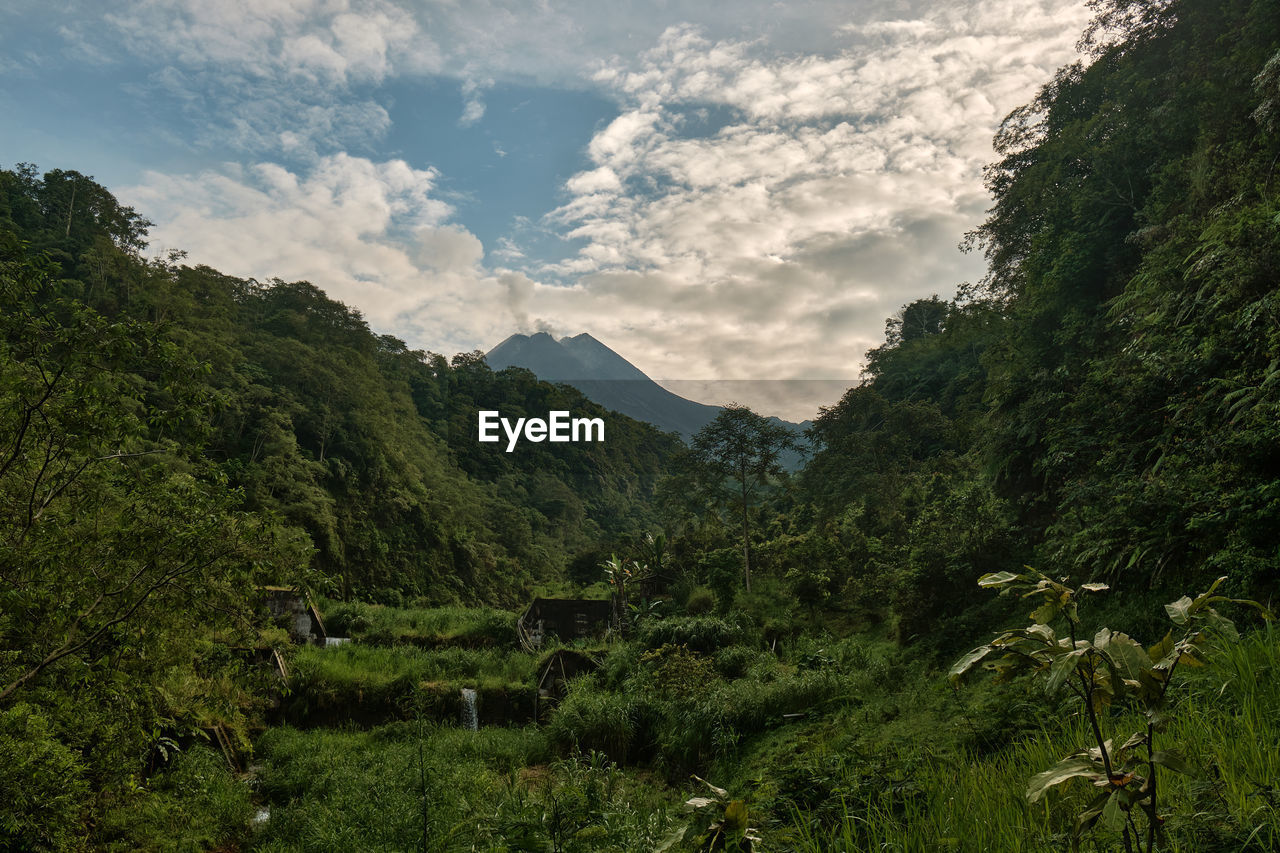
(1069, 768)
(1127, 656)
(1161, 650)
(1046, 613)
(992, 579)
(735, 816)
(1043, 632)
(960, 667)
(1062, 669)
(1221, 624)
(1180, 610)
(1096, 754)
(1135, 739)
(718, 792)
(1086, 818)
(1187, 656)
(1172, 760)
(1203, 598)
(1072, 612)
(1113, 812)
(1266, 614)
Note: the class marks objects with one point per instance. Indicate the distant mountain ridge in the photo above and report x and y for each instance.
(607, 378)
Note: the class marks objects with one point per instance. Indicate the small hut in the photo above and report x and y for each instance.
(566, 618)
(304, 623)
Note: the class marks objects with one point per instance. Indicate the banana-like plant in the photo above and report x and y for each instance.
(1109, 668)
(720, 823)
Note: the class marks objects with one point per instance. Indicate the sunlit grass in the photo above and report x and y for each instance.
(474, 627)
(1227, 723)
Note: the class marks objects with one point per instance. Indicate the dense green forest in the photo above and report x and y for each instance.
(1104, 407)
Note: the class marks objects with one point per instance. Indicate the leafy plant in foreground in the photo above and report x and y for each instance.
(1110, 668)
(719, 823)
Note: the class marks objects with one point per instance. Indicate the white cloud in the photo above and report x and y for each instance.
(776, 183)
(278, 76)
(372, 235)
(835, 192)
(473, 100)
(329, 41)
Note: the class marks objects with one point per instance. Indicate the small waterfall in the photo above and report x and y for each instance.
(330, 642)
(469, 718)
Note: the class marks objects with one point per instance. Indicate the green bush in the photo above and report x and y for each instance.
(700, 602)
(707, 724)
(592, 719)
(196, 803)
(703, 634)
(42, 784)
(734, 661)
(676, 671)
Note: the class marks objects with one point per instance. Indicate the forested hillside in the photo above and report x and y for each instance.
(172, 437)
(1105, 404)
(365, 445)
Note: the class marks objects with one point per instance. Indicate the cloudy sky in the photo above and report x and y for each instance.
(718, 191)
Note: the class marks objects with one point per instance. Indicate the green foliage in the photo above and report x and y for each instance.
(42, 783)
(700, 602)
(363, 444)
(729, 466)
(915, 791)
(126, 557)
(703, 634)
(443, 789)
(594, 720)
(1111, 668)
(720, 823)
(196, 803)
(467, 627)
(676, 671)
(374, 684)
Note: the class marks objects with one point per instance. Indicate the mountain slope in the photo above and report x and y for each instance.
(604, 376)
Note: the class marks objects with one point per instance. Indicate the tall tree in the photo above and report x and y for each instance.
(733, 460)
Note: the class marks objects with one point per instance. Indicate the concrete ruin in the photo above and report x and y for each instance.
(299, 613)
(565, 618)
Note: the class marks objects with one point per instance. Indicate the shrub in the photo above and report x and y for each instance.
(700, 602)
(41, 784)
(196, 803)
(678, 671)
(734, 661)
(700, 633)
(592, 719)
(1110, 669)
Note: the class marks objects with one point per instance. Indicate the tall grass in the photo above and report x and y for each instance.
(413, 786)
(373, 684)
(469, 627)
(1227, 724)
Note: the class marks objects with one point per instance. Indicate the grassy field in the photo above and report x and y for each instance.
(829, 744)
(377, 624)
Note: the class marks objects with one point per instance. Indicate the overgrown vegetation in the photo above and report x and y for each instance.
(1106, 402)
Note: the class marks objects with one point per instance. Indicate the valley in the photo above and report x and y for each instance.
(273, 579)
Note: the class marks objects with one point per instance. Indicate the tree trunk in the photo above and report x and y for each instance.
(746, 539)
